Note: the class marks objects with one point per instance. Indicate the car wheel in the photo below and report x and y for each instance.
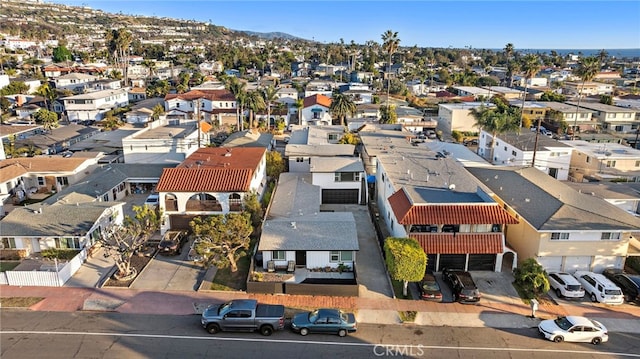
(596, 341)
(304, 331)
(342, 333)
(266, 330)
(213, 328)
(558, 339)
(593, 298)
(558, 292)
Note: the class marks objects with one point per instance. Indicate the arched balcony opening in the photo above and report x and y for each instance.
(203, 202)
(235, 202)
(170, 202)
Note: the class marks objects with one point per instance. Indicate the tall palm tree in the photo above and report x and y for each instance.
(508, 51)
(390, 45)
(238, 90)
(270, 94)
(158, 110)
(151, 67)
(255, 103)
(118, 41)
(530, 67)
(587, 69)
(494, 122)
(342, 105)
(299, 104)
(45, 90)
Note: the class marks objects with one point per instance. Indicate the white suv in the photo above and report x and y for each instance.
(599, 288)
(565, 285)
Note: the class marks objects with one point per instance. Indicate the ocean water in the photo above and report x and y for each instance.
(617, 53)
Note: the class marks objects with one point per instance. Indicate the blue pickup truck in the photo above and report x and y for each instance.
(243, 315)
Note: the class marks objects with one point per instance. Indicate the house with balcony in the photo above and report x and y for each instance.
(610, 118)
(92, 106)
(315, 110)
(588, 88)
(517, 150)
(577, 118)
(563, 229)
(429, 196)
(210, 181)
(318, 141)
(217, 107)
(593, 161)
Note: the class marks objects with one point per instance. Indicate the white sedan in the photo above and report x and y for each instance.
(574, 329)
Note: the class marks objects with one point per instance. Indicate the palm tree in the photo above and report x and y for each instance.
(270, 95)
(255, 103)
(508, 51)
(158, 110)
(45, 90)
(587, 69)
(342, 105)
(238, 90)
(151, 67)
(390, 45)
(530, 67)
(299, 104)
(494, 122)
(118, 41)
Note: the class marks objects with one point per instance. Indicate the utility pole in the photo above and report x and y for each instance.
(535, 145)
(198, 120)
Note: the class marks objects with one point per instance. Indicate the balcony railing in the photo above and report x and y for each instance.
(206, 205)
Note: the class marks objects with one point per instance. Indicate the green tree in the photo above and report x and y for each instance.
(270, 94)
(158, 110)
(118, 41)
(350, 139)
(255, 103)
(530, 67)
(238, 89)
(532, 278)
(341, 106)
(606, 99)
(48, 119)
(390, 44)
(388, 114)
(151, 67)
(275, 164)
(299, 104)
(111, 122)
(405, 259)
(224, 238)
(494, 122)
(551, 96)
(122, 241)
(254, 208)
(61, 54)
(14, 88)
(587, 69)
(45, 90)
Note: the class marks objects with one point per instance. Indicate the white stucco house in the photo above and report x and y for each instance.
(94, 105)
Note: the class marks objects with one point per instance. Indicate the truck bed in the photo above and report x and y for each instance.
(269, 310)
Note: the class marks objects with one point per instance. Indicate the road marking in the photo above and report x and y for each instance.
(290, 341)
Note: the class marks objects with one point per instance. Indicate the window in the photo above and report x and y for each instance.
(513, 153)
(555, 236)
(8, 242)
(340, 256)
(637, 163)
(333, 137)
(347, 177)
(588, 159)
(178, 105)
(584, 115)
(610, 236)
(278, 255)
(611, 115)
(299, 159)
(611, 164)
(40, 181)
(67, 243)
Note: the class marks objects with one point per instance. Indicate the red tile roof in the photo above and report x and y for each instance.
(205, 180)
(317, 99)
(223, 157)
(485, 213)
(213, 95)
(461, 243)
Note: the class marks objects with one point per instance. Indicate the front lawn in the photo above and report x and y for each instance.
(225, 280)
(8, 265)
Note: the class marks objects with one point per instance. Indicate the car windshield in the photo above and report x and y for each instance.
(313, 316)
(563, 323)
(430, 286)
(612, 292)
(574, 287)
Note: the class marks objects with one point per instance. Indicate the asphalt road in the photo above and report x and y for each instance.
(112, 335)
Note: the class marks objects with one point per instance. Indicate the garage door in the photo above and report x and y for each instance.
(574, 263)
(551, 263)
(482, 262)
(340, 196)
(178, 222)
(452, 261)
(601, 262)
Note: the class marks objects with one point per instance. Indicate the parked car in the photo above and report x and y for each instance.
(565, 285)
(429, 288)
(153, 200)
(172, 242)
(332, 321)
(574, 329)
(242, 315)
(462, 285)
(599, 288)
(628, 283)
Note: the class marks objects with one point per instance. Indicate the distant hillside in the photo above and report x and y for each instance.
(269, 35)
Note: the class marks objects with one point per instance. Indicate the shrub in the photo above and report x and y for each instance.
(532, 278)
(457, 135)
(63, 254)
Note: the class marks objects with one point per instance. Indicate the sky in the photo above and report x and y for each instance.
(541, 24)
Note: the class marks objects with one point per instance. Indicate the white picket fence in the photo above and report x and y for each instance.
(52, 276)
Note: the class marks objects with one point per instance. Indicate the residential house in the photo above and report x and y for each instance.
(506, 92)
(577, 118)
(210, 181)
(165, 141)
(588, 88)
(250, 138)
(315, 110)
(610, 118)
(75, 81)
(215, 106)
(478, 93)
(517, 149)
(341, 179)
(94, 105)
(107, 143)
(310, 141)
(563, 229)
(58, 139)
(428, 196)
(457, 116)
(414, 120)
(142, 111)
(56, 70)
(60, 225)
(319, 87)
(137, 94)
(533, 110)
(624, 195)
(593, 161)
(32, 84)
(296, 230)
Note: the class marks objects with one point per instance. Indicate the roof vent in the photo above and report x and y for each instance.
(452, 187)
(293, 225)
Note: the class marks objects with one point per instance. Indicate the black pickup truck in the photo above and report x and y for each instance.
(243, 315)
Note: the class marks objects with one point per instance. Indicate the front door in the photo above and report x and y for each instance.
(301, 258)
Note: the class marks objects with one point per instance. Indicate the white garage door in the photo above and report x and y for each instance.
(601, 262)
(572, 264)
(551, 263)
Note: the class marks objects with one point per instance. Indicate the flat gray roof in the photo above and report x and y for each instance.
(168, 131)
(336, 164)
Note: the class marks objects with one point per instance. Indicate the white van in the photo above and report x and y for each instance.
(599, 288)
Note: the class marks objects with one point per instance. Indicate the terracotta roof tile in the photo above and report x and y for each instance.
(205, 180)
(317, 99)
(406, 213)
(213, 95)
(223, 157)
(461, 243)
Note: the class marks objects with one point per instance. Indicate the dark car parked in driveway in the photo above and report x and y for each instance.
(629, 283)
(429, 288)
(172, 242)
(462, 285)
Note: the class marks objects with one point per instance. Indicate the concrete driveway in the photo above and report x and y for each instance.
(170, 273)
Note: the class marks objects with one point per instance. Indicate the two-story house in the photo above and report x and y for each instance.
(93, 105)
(76, 81)
(612, 118)
(315, 110)
(210, 181)
(215, 106)
(603, 161)
(457, 116)
(578, 119)
(561, 228)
